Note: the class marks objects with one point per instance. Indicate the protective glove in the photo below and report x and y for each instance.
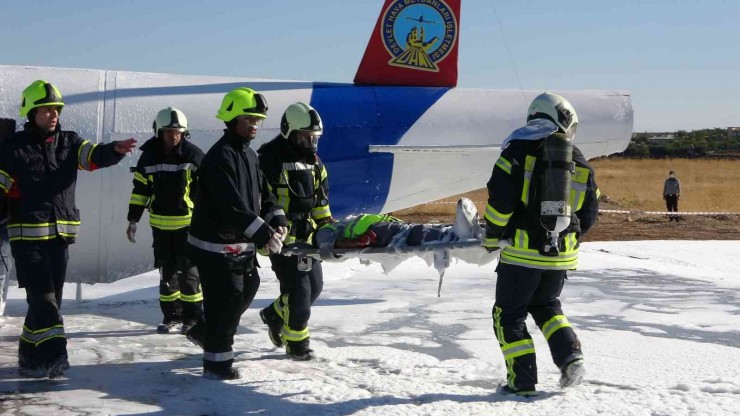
(274, 244)
(490, 244)
(131, 232)
(282, 231)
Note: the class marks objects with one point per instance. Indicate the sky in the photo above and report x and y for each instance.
(680, 60)
(657, 321)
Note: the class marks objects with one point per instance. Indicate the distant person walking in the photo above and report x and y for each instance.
(671, 194)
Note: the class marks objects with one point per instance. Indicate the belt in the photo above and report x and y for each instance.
(233, 248)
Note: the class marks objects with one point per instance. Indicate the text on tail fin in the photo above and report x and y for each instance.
(414, 43)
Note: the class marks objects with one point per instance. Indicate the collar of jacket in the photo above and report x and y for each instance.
(286, 152)
(157, 144)
(36, 133)
(536, 129)
(236, 140)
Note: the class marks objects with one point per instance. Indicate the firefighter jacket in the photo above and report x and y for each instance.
(164, 183)
(301, 186)
(38, 172)
(513, 209)
(235, 210)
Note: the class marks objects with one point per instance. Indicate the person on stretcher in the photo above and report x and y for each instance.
(382, 230)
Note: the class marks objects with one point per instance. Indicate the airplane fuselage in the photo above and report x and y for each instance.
(386, 148)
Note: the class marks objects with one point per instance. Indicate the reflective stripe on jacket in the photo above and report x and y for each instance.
(164, 183)
(300, 186)
(508, 214)
(234, 202)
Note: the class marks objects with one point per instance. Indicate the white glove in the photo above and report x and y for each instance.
(282, 231)
(504, 242)
(275, 244)
(131, 232)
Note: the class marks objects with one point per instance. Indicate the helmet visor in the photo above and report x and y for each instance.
(571, 133)
(252, 121)
(308, 139)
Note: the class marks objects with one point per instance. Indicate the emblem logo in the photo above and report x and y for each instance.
(418, 34)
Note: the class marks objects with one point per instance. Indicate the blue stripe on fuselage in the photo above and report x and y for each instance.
(355, 117)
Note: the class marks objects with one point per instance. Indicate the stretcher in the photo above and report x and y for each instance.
(437, 254)
(307, 250)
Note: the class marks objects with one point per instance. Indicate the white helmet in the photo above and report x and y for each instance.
(300, 117)
(170, 118)
(556, 109)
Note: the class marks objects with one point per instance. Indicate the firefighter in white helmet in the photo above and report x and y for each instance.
(299, 180)
(542, 198)
(164, 183)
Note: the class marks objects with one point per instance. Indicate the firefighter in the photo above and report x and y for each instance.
(38, 172)
(164, 182)
(299, 180)
(535, 257)
(235, 214)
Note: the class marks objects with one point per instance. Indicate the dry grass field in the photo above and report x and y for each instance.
(706, 184)
(637, 185)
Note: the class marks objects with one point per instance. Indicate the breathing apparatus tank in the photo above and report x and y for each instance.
(555, 209)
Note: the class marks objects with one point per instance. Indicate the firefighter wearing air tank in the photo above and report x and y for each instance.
(164, 182)
(298, 179)
(542, 198)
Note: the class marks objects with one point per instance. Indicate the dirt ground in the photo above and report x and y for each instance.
(627, 227)
(621, 227)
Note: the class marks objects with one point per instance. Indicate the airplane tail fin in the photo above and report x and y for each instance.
(414, 43)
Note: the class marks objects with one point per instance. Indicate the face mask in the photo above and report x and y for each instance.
(306, 143)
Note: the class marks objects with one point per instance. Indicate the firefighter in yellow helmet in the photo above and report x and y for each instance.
(298, 178)
(542, 198)
(38, 176)
(165, 179)
(235, 214)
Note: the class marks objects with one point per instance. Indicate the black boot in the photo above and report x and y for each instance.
(222, 370)
(299, 350)
(229, 373)
(187, 325)
(57, 366)
(167, 325)
(196, 333)
(30, 369)
(505, 390)
(274, 326)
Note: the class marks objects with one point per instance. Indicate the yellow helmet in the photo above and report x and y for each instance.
(242, 102)
(40, 93)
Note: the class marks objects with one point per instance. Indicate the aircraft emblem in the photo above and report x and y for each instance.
(418, 34)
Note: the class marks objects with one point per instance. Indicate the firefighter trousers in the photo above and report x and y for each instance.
(522, 290)
(41, 268)
(180, 297)
(299, 289)
(229, 283)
